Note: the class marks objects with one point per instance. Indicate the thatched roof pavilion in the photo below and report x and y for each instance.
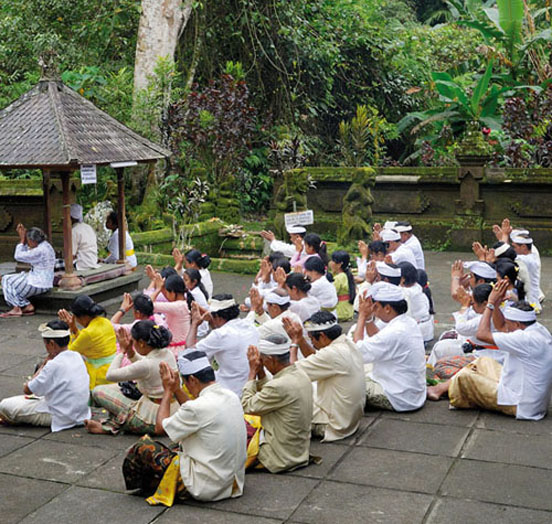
(53, 128)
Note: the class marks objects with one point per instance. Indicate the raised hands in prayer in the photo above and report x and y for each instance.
(266, 270)
(371, 272)
(199, 314)
(255, 364)
(158, 282)
(178, 259)
(463, 297)
(503, 231)
(69, 319)
(150, 272)
(498, 294)
(363, 249)
(169, 378)
(388, 259)
(280, 276)
(293, 329)
(298, 243)
(376, 231)
(22, 232)
(268, 235)
(256, 301)
(127, 304)
(125, 342)
(479, 251)
(365, 308)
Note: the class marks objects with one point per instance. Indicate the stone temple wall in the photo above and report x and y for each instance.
(451, 207)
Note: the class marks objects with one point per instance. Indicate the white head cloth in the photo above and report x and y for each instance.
(313, 326)
(296, 230)
(501, 249)
(516, 232)
(275, 298)
(519, 239)
(48, 332)
(190, 367)
(266, 347)
(387, 271)
(517, 315)
(76, 212)
(386, 292)
(390, 235)
(219, 305)
(481, 269)
(403, 228)
(390, 224)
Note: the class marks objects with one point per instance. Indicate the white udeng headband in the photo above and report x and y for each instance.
(501, 249)
(387, 271)
(517, 315)
(521, 240)
(274, 298)
(270, 348)
(219, 305)
(190, 367)
(311, 326)
(48, 332)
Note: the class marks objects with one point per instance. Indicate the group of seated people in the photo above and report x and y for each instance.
(35, 250)
(240, 387)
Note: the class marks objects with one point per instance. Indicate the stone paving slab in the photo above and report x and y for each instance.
(455, 511)
(21, 496)
(330, 453)
(58, 461)
(439, 414)
(197, 515)
(522, 427)
(412, 436)
(74, 506)
(391, 469)
(333, 502)
(496, 446)
(501, 483)
(80, 436)
(108, 476)
(9, 443)
(267, 495)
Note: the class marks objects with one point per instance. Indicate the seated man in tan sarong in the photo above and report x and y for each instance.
(521, 387)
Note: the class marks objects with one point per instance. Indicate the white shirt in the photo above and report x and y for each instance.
(531, 263)
(113, 248)
(42, 259)
(341, 388)
(526, 378)
(414, 245)
(64, 384)
(305, 308)
(418, 309)
(207, 281)
(199, 297)
(287, 249)
(272, 326)
(85, 246)
(228, 345)
(211, 432)
(362, 266)
(399, 365)
(403, 254)
(324, 291)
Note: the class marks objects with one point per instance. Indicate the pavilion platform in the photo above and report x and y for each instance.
(99, 289)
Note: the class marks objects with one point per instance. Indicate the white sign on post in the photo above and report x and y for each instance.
(301, 218)
(88, 173)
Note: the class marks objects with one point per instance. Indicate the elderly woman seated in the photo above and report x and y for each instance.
(32, 249)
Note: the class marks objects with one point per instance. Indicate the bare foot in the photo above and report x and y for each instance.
(93, 426)
(433, 393)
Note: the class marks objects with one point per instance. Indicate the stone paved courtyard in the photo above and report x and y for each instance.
(434, 465)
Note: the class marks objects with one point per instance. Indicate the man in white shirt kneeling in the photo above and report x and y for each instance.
(57, 395)
(211, 436)
(396, 378)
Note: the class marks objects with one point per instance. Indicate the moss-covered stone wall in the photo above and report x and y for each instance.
(450, 207)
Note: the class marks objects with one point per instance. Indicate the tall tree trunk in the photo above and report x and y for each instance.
(161, 24)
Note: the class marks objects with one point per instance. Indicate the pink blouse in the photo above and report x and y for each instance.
(178, 319)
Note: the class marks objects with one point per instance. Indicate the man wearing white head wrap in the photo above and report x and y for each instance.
(295, 233)
(335, 363)
(395, 355)
(522, 387)
(410, 240)
(396, 250)
(61, 381)
(277, 308)
(85, 244)
(227, 342)
(209, 429)
(284, 404)
(523, 246)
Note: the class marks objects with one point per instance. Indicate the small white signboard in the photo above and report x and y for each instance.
(300, 218)
(88, 173)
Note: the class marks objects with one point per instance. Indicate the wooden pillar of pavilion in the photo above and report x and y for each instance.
(69, 279)
(121, 213)
(47, 204)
